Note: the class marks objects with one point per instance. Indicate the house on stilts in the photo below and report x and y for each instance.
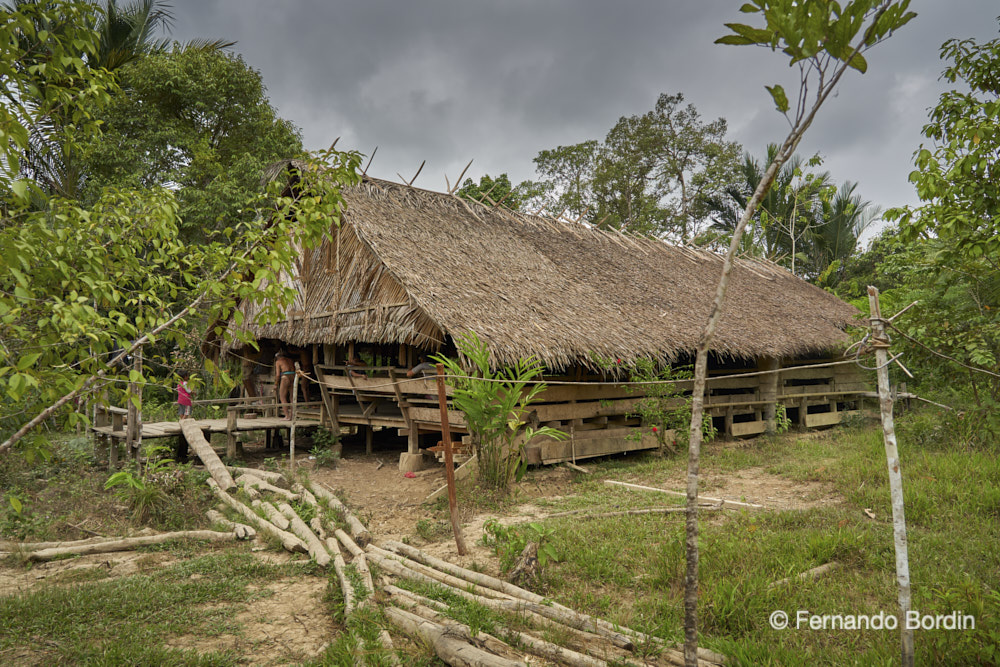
(408, 270)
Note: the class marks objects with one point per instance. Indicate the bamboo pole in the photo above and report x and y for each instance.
(449, 463)
(880, 341)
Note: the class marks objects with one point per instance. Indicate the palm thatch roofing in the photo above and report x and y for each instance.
(414, 266)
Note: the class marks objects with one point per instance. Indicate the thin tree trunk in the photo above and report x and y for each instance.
(701, 371)
(881, 343)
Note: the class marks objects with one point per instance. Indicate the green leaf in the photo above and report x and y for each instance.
(858, 62)
(779, 97)
(734, 40)
(15, 504)
(27, 361)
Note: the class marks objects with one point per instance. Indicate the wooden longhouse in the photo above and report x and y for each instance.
(410, 269)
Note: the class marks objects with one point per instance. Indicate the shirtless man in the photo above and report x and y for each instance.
(284, 374)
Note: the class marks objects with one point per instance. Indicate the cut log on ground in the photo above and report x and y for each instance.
(207, 455)
(345, 584)
(263, 485)
(269, 475)
(36, 546)
(288, 541)
(735, 504)
(317, 551)
(569, 618)
(240, 530)
(130, 543)
(530, 643)
(453, 651)
(814, 573)
(305, 494)
(272, 513)
(317, 526)
(358, 530)
(441, 577)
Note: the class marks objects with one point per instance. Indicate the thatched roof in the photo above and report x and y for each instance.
(415, 266)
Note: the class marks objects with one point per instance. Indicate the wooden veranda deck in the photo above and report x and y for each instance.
(173, 428)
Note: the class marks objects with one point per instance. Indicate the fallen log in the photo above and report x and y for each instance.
(240, 530)
(340, 568)
(269, 475)
(288, 541)
(360, 561)
(563, 615)
(317, 551)
(454, 651)
(305, 494)
(580, 640)
(36, 546)
(358, 530)
(442, 577)
(480, 639)
(258, 483)
(129, 543)
(317, 526)
(725, 503)
(534, 645)
(273, 515)
(348, 543)
(814, 573)
(193, 434)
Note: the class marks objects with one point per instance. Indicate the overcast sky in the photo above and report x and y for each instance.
(498, 81)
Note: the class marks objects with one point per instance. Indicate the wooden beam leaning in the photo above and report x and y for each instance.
(193, 434)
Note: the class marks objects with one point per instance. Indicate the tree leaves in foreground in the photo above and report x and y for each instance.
(81, 287)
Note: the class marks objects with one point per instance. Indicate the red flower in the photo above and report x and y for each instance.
(654, 429)
(619, 361)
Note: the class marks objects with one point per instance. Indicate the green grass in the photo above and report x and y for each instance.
(127, 620)
(630, 570)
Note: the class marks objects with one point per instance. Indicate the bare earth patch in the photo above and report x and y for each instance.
(289, 626)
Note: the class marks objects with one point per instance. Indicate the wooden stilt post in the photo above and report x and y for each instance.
(449, 463)
(231, 413)
(769, 392)
(880, 341)
(291, 429)
(133, 432)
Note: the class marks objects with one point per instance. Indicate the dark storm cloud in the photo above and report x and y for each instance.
(499, 81)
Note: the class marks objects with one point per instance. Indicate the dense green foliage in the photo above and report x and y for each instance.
(491, 192)
(650, 175)
(82, 282)
(196, 121)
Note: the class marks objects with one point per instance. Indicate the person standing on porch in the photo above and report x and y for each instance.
(284, 374)
(184, 397)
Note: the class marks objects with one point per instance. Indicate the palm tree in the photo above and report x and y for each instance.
(126, 32)
(844, 218)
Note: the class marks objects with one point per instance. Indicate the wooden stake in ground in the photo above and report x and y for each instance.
(291, 429)
(880, 341)
(449, 462)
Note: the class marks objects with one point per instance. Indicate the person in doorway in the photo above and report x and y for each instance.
(284, 374)
(423, 369)
(354, 362)
(184, 397)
